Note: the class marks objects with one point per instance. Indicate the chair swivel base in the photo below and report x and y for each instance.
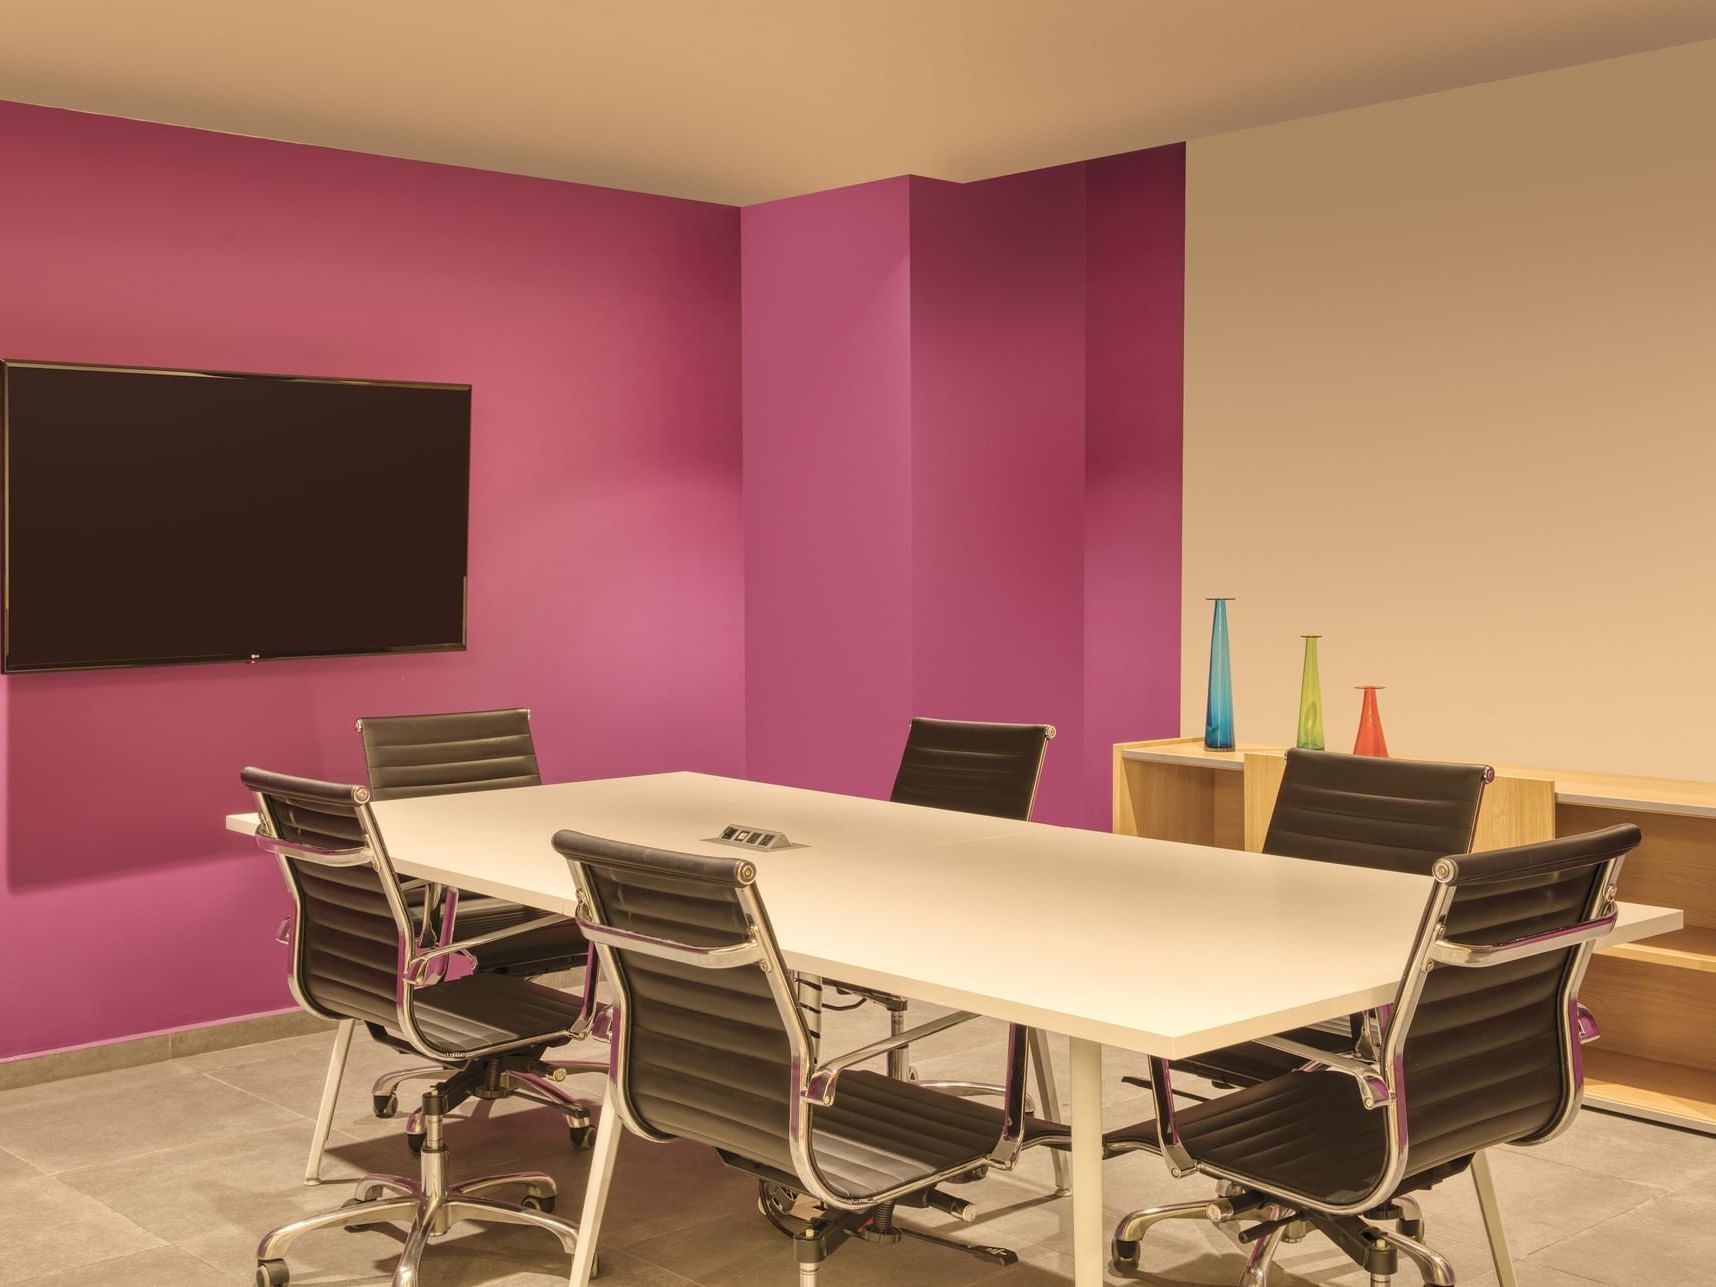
(818, 1231)
(1378, 1251)
(502, 1082)
(430, 1207)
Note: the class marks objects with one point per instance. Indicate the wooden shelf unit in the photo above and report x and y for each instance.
(1655, 1000)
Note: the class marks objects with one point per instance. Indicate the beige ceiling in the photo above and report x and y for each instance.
(745, 100)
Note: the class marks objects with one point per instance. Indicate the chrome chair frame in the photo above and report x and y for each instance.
(431, 1204)
(814, 1082)
(1381, 1081)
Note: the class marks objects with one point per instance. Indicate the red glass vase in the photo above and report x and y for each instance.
(1370, 739)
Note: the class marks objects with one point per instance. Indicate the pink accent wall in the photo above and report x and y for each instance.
(600, 331)
(998, 460)
(1003, 546)
(828, 486)
(1135, 273)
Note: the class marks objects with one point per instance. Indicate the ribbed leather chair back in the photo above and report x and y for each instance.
(348, 939)
(972, 768)
(411, 755)
(704, 1053)
(1490, 1053)
(1398, 815)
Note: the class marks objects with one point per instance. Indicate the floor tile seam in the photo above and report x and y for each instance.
(634, 1249)
(108, 1163)
(27, 1165)
(201, 1260)
(261, 1099)
(154, 1237)
(1538, 1257)
(1700, 1177)
(1657, 1190)
(91, 1265)
(677, 1277)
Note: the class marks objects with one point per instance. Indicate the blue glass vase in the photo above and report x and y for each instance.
(1218, 714)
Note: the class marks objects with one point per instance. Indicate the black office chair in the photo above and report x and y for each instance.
(1480, 1048)
(1362, 811)
(415, 755)
(360, 954)
(990, 769)
(709, 1044)
(970, 767)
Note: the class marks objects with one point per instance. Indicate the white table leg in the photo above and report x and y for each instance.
(1493, 1228)
(330, 1096)
(1089, 1245)
(608, 1132)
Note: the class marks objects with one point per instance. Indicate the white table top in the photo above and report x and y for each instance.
(1147, 945)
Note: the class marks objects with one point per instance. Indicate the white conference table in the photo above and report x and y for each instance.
(1150, 946)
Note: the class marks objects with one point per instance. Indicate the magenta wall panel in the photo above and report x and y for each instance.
(1135, 248)
(998, 298)
(600, 333)
(962, 469)
(828, 487)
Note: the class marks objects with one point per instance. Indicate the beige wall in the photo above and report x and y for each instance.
(1451, 402)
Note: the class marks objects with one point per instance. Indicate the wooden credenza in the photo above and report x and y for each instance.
(1655, 1000)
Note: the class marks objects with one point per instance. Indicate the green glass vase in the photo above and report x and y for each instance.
(1310, 699)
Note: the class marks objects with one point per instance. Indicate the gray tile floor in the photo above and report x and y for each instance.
(164, 1176)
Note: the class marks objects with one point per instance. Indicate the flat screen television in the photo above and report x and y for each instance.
(156, 517)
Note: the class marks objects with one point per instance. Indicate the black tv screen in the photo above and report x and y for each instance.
(154, 517)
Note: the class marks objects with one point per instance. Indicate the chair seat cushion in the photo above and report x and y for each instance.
(540, 951)
(1307, 1132)
(880, 1133)
(492, 1009)
(1248, 1063)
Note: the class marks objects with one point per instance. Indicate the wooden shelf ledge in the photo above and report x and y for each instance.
(1693, 948)
(1650, 1088)
(1572, 786)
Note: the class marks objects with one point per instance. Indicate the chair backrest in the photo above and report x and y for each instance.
(409, 755)
(1483, 1039)
(352, 926)
(991, 769)
(1365, 811)
(706, 1047)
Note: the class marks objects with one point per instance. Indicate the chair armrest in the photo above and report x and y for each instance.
(1585, 1026)
(819, 1089)
(595, 1017)
(1373, 1086)
(727, 957)
(440, 905)
(419, 976)
(1482, 955)
(358, 856)
(1174, 1151)
(604, 1021)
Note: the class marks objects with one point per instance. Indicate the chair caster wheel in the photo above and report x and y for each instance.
(415, 1143)
(582, 1137)
(386, 1105)
(1412, 1229)
(532, 1202)
(1124, 1253)
(347, 1205)
(271, 1273)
